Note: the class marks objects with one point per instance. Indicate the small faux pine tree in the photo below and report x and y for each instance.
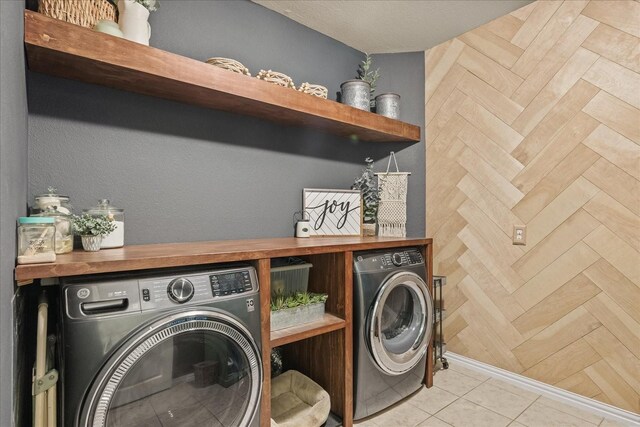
(366, 74)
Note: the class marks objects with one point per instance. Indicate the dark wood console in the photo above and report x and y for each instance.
(323, 350)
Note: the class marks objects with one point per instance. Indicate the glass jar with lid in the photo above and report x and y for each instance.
(52, 200)
(115, 239)
(36, 240)
(57, 207)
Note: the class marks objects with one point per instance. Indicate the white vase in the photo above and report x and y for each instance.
(91, 243)
(133, 20)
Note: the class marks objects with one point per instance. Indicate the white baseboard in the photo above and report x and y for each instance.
(544, 389)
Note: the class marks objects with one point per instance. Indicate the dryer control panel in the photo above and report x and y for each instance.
(378, 261)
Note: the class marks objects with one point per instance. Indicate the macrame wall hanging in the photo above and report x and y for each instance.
(392, 210)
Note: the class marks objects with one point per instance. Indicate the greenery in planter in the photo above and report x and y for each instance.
(150, 5)
(370, 197)
(89, 225)
(282, 302)
(365, 73)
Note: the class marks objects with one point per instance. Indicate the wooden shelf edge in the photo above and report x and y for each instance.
(328, 323)
(144, 257)
(69, 51)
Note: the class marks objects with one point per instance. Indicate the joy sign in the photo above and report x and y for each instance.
(333, 212)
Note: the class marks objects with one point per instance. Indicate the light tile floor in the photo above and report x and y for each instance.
(462, 397)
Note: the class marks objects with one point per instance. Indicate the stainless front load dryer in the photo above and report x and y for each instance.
(393, 318)
(162, 349)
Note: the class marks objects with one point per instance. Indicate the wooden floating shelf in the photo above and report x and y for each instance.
(65, 50)
(328, 323)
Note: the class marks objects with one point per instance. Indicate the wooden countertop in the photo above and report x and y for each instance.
(141, 257)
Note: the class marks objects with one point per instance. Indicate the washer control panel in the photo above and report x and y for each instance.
(119, 295)
(166, 292)
(388, 260)
(229, 283)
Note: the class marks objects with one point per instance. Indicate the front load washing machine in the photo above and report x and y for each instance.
(178, 348)
(393, 319)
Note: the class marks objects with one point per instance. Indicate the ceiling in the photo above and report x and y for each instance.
(379, 26)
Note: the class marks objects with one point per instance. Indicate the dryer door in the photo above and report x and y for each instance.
(214, 375)
(400, 323)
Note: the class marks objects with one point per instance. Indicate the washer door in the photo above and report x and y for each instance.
(196, 367)
(400, 323)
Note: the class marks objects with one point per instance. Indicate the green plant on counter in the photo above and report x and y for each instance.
(370, 197)
(369, 76)
(89, 225)
(282, 302)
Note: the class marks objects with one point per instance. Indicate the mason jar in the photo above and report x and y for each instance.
(64, 229)
(115, 239)
(57, 207)
(36, 240)
(52, 200)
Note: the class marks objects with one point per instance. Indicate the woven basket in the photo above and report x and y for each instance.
(229, 64)
(276, 78)
(80, 12)
(315, 90)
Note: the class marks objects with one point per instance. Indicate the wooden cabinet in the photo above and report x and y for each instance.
(322, 350)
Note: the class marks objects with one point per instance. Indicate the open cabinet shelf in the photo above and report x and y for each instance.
(307, 347)
(70, 51)
(328, 323)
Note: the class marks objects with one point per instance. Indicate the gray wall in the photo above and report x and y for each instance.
(184, 173)
(13, 183)
(403, 73)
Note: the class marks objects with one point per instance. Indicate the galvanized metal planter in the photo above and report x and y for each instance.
(356, 93)
(388, 105)
(295, 316)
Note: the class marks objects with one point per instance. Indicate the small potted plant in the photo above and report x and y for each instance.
(91, 229)
(295, 309)
(366, 183)
(358, 92)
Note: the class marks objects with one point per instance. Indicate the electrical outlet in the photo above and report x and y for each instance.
(519, 234)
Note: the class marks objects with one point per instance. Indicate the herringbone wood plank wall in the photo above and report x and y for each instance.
(534, 119)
